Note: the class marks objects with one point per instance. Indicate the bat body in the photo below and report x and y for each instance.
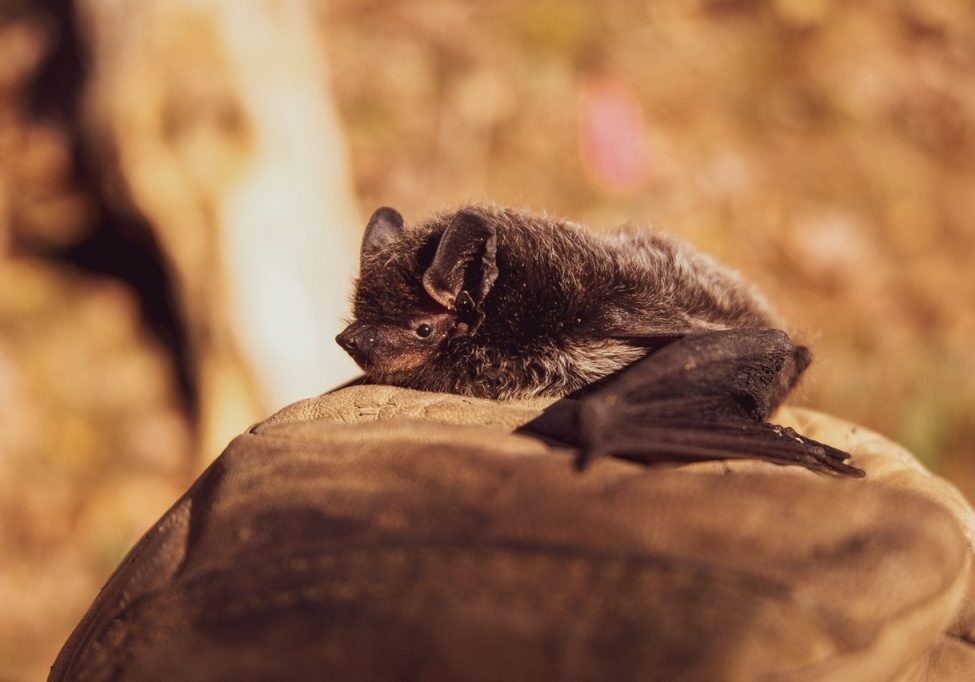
(674, 356)
(521, 305)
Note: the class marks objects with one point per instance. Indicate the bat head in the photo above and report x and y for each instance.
(418, 291)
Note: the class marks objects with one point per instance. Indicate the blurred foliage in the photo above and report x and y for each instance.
(91, 450)
(93, 439)
(825, 148)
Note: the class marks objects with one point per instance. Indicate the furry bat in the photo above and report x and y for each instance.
(672, 356)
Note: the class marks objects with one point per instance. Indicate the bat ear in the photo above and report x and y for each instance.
(464, 262)
(385, 225)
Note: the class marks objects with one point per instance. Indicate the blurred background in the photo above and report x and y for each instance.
(183, 184)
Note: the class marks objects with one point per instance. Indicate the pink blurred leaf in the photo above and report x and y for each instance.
(612, 138)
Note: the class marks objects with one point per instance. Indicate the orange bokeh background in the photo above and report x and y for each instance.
(826, 149)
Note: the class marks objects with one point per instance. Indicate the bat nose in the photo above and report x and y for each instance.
(347, 339)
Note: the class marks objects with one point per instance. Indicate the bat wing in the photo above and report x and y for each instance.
(703, 397)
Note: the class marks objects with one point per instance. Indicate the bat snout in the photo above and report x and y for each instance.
(357, 341)
(362, 342)
(380, 349)
(347, 340)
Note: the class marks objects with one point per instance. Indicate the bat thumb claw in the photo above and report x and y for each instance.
(850, 470)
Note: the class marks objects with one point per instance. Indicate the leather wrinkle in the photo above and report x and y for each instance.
(385, 508)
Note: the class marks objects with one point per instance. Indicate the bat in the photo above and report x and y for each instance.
(669, 355)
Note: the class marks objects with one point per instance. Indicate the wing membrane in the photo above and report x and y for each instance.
(702, 397)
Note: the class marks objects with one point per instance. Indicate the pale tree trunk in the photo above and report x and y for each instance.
(215, 118)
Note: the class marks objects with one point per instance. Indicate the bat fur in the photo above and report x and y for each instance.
(557, 306)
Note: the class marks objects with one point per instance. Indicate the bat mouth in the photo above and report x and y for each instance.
(386, 367)
(361, 361)
(358, 356)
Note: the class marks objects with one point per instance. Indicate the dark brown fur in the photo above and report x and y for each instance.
(563, 311)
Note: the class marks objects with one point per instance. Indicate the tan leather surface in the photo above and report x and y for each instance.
(381, 533)
(886, 463)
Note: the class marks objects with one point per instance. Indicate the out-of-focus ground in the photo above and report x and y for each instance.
(825, 148)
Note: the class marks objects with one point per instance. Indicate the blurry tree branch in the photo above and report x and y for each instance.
(212, 121)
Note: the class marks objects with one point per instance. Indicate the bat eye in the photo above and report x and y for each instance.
(424, 330)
